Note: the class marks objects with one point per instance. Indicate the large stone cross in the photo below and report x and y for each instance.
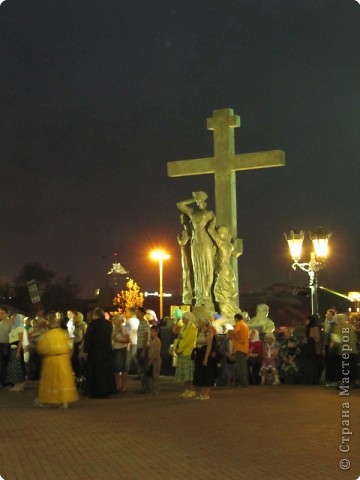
(224, 164)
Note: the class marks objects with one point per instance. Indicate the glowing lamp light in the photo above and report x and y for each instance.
(295, 241)
(320, 240)
(160, 255)
(354, 296)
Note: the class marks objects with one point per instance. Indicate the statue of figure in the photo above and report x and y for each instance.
(261, 321)
(202, 248)
(225, 288)
(184, 241)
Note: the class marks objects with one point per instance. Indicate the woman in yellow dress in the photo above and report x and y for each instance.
(57, 383)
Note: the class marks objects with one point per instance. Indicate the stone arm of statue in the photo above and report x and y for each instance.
(212, 230)
(183, 206)
(183, 238)
(238, 248)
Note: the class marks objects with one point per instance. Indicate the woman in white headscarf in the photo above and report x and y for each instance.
(270, 359)
(186, 342)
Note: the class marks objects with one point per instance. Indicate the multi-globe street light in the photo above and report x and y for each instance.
(320, 241)
(160, 255)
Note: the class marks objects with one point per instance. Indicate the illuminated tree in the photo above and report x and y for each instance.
(129, 298)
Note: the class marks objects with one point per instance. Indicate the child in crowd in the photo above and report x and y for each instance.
(154, 363)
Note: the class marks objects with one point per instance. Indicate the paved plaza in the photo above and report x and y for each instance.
(284, 432)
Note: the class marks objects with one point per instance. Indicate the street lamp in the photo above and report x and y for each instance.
(160, 256)
(320, 240)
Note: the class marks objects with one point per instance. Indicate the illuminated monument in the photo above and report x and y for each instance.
(224, 165)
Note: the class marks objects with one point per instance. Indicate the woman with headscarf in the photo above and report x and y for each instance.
(79, 331)
(120, 342)
(254, 357)
(186, 342)
(57, 383)
(270, 359)
(15, 374)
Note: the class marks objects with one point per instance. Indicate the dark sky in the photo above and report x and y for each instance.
(97, 96)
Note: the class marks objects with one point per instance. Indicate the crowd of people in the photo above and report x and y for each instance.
(70, 356)
(243, 356)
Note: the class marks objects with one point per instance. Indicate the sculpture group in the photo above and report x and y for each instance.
(206, 251)
(209, 250)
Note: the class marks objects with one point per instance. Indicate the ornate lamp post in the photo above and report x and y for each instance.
(320, 240)
(160, 256)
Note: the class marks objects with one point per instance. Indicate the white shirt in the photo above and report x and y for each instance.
(71, 328)
(132, 324)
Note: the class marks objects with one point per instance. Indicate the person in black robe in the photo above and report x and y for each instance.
(100, 381)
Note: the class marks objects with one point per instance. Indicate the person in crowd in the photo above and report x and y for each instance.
(255, 357)
(329, 322)
(241, 349)
(343, 343)
(5, 327)
(100, 381)
(142, 355)
(154, 362)
(120, 342)
(69, 322)
(205, 361)
(177, 325)
(184, 347)
(289, 352)
(310, 353)
(151, 317)
(57, 383)
(132, 324)
(38, 327)
(16, 374)
(228, 359)
(270, 360)
(79, 331)
(329, 359)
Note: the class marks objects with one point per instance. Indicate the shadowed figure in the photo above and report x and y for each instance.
(187, 273)
(225, 288)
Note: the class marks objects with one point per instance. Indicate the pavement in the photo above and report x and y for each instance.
(285, 432)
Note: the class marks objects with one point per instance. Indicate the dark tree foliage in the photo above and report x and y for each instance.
(55, 294)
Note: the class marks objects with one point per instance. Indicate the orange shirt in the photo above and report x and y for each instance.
(241, 337)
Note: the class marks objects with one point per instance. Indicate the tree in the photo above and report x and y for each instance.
(5, 292)
(129, 298)
(34, 271)
(61, 294)
(54, 294)
(30, 271)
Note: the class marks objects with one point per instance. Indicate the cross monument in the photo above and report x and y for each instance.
(223, 165)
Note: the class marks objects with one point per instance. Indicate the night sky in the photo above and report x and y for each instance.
(97, 96)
